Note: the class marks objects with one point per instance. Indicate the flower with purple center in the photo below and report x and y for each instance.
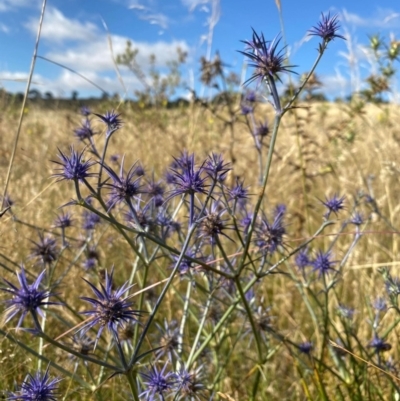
(302, 259)
(112, 120)
(85, 131)
(327, 28)
(261, 130)
(239, 191)
(265, 58)
(37, 388)
(216, 168)
(63, 220)
(123, 187)
(306, 347)
(187, 179)
(379, 344)
(245, 109)
(110, 308)
(157, 383)
(45, 249)
(334, 205)
(269, 236)
(251, 97)
(323, 263)
(73, 167)
(85, 111)
(190, 384)
(90, 220)
(26, 299)
(357, 219)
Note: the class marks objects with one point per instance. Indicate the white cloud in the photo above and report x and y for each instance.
(4, 28)
(149, 13)
(192, 4)
(383, 19)
(11, 5)
(97, 56)
(57, 27)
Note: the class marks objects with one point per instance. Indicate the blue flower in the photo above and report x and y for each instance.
(306, 347)
(327, 28)
(37, 388)
(73, 167)
(111, 309)
(334, 205)
(323, 263)
(157, 383)
(265, 58)
(112, 120)
(26, 299)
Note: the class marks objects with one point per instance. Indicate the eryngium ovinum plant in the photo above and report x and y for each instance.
(188, 230)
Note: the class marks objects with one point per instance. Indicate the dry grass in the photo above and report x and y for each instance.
(341, 154)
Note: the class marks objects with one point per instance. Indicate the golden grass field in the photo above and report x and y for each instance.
(322, 149)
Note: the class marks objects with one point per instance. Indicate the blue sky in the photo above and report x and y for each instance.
(74, 34)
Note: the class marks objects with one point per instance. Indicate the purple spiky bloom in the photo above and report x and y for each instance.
(45, 249)
(323, 263)
(334, 205)
(270, 235)
(90, 220)
(245, 109)
(73, 167)
(302, 259)
(187, 179)
(265, 57)
(123, 187)
(239, 191)
(216, 168)
(85, 111)
(357, 219)
(379, 344)
(189, 384)
(306, 347)
(26, 299)
(327, 28)
(112, 120)
(63, 220)
(37, 388)
(85, 131)
(157, 383)
(111, 309)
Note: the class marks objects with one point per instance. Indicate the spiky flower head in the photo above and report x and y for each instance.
(270, 235)
(110, 308)
(112, 120)
(123, 187)
(73, 167)
(327, 28)
(85, 131)
(189, 383)
(323, 263)
(306, 347)
(216, 168)
(302, 259)
(45, 249)
(37, 388)
(63, 220)
(157, 383)
(26, 299)
(187, 179)
(265, 57)
(334, 205)
(379, 344)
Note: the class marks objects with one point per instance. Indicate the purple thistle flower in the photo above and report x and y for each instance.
(323, 263)
(216, 168)
(111, 120)
(90, 220)
(302, 259)
(157, 383)
(306, 347)
(261, 130)
(85, 111)
(186, 264)
(63, 220)
(123, 187)
(379, 304)
(85, 131)
(357, 219)
(111, 309)
(333, 205)
(45, 249)
(238, 191)
(189, 384)
(265, 58)
(379, 344)
(327, 28)
(187, 179)
(270, 236)
(251, 97)
(37, 388)
(245, 109)
(26, 299)
(345, 312)
(73, 167)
